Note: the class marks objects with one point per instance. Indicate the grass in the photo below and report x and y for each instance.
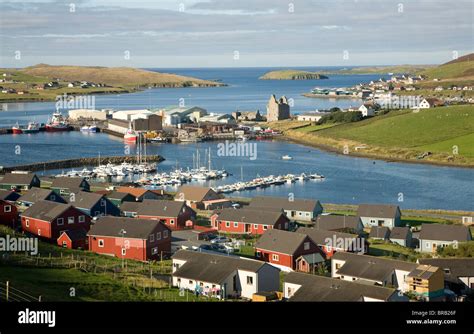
(313, 128)
(418, 221)
(292, 75)
(453, 70)
(464, 144)
(394, 251)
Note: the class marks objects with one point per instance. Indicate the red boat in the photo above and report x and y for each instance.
(57, 123)
(130, 136)
(16, 129)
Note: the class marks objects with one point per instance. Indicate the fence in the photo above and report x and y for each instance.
(9, 293)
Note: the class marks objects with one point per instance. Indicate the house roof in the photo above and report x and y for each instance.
(423, 271)
(444, 232)
(336, 222)
(298, 204)
(325, 289)
(212, 268)
(193, 193)
(377, 210)
(129, 206)
(85, 200)
(67, 183)
(162, 208)
(458, 267)
(379, 232)
(320, 236)
(370, 267)
(9, 195)
(45, 210)
(20, 178)
(280, 241)
(313, 258)
(137, 192)
(79, 234)
(400, 233)
(251, 216)
(135, 228)
(118, 195)
(36, 194)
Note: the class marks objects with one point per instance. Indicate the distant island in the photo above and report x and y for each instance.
(292, 75)
(44, 82)
(399, 69)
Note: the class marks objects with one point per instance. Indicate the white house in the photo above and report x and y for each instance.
(433, 236)
(430, 103)
(311, 117)
(367, 110)
(380, 215)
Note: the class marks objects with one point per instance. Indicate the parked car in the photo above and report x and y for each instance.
(209, 237)
(219, 240)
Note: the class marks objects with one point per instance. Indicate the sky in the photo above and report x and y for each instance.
(234, 33)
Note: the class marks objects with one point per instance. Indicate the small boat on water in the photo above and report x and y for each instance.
(32, 127)
(130, 136)
(287, 157)
(57, 123)
(89, 129)
(157, 140)
(17, 129)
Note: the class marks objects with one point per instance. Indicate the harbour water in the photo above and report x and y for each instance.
(348, 180)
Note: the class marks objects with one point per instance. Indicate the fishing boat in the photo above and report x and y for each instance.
(130, 136)
(32, 127)
(89, 129)
(287, 157)
(17, 129)
(57, 123)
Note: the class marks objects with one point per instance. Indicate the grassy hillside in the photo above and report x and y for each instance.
(292, 75)
(463, 67)
(408, 69)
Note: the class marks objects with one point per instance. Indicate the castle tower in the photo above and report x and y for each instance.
(278, 110)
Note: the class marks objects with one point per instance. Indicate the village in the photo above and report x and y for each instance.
(262, 249)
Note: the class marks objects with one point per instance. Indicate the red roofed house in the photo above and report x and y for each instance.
(8, 214)
(199, 197)
(130, 238)
(248, 221)
(48, 219)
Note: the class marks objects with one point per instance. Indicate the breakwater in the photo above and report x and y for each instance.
(79, 162)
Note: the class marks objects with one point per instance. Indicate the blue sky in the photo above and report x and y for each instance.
(233, 33)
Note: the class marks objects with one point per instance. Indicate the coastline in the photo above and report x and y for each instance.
(324, 96)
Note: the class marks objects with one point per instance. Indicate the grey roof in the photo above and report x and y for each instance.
(67, 182)
(9, 195)
(135, 228)
(251, 216)
(377, 210)
(423, 271)
(379, 232)
(320, 236)
(280, 241)
(45, 210)
(336, 222)
(316, 288)
(400, 233)
(313, 258)
(444, 232)
(162, 208)
(14, 178)
(212, 268)
(458, 267)
(84, 200)
(119, 195)
(36, 194)
(370, 267)
(129, 206)
(298, 204)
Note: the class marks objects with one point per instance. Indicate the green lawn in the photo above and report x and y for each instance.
(312, 128)
(464, 145)
(393, 251)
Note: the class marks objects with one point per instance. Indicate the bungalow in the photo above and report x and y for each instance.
(93, 204)
(8, 214)
(19, 181)
(298, 287)
(433, 236)
(196, 196)
(348, 224)
(380, 215)
(127, 238)
(248, 221)
(9, 195)
(401, 236)
(141, 194)
(48, 219)
(39, 194)
(458, 272)
(223, 276)
(379, 233)
(117, 198)
(331, 242)
(282, 248)
(311, 117)
(64, 186)
(430, 103)
(73, 239)
(296, 209)
(367, 110)
(175, 215)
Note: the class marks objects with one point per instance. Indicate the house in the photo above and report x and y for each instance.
(248, 221)
(195, 196)
(176, 215)
(140, 194)
(380, 215)
(278, 110)
(379, 233)
(311, 117)
(93, 204)
(8, 214)
(348, 224)
(73, 239)
(430, 103)
(433, 236)
(19, 181)
(129, 209)
(130, 238)
(250, 116)
(367, 110)
(458, 272)
(39, 194)
(117, 198)
(298, 287)
(9, 195)
(282, 248)
(426, 282)
(401, 236)
(48, 219)
(296, 209)
(331, 242)
(223, 276)
(64, 186)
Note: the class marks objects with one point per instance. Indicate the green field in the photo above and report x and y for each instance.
(458, 69)
(292, 75)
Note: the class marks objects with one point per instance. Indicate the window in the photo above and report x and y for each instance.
(27, 222)
(236, 224)
(7, 208)
(70, 220)
(306, 245)
(154, 251)
(286, 225)
(227, 224)
(165, 234)
(275, 257)
(447, 271)
(82, 219)
(249, 280)
(427, 244)
(338, 266)
(259, 254)
(52, 197)
(265, 227)
(101, 243)
(60, 221)
(255, 226)
(158, 235)
(190, 282)
(39, 232)
(307, 214)
(152, 238)
(102, 202)
(124, 251)
(172, 221)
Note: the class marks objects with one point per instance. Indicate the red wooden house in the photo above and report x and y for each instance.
(283, 248)
(247, 221)
(74, 239)
(8, 214)
(48, 219)
(174, 214)
(130, 238)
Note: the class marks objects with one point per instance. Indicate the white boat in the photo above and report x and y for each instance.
(287, 157)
